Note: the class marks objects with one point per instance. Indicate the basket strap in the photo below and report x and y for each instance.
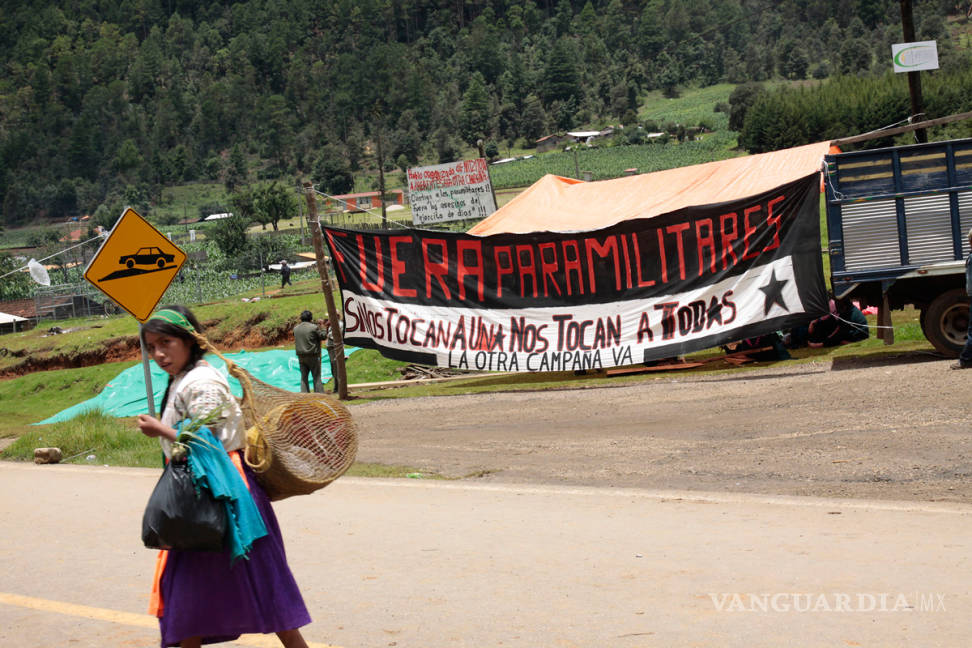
(234, 370)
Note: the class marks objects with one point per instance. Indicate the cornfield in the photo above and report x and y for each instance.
(611, 162)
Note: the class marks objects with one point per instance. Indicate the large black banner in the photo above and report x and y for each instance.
(637, 291)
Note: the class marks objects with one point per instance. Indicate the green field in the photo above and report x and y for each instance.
(183, 202)
(694, 106)
(611, 162)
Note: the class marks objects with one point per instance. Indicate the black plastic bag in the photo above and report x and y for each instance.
(179, 517)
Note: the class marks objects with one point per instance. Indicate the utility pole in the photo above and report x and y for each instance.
(263, 275)
(381, 181)
(314, 224)
(914, 81)
(300, 214)
(379, 117)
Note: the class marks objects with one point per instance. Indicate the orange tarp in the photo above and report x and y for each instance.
(565, 205)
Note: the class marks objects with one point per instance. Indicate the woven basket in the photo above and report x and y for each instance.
(296, 443)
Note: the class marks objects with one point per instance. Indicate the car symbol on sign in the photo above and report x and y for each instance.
(147, 256)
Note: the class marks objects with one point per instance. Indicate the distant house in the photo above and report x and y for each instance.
(25, 308)
(511, 159)
(357, 202)
(583, 136)
(17, 315)
(551, 142)
(13, 323)
(73, 236)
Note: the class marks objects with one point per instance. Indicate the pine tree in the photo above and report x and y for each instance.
(474, 116)
(236, 173)
(560, 79)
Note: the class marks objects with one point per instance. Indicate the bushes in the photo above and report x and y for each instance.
(847, 106)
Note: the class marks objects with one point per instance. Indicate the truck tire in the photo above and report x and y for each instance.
(946, 321)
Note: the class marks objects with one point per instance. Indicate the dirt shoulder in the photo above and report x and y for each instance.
(894, 427)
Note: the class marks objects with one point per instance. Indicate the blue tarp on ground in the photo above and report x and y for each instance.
(125, 394)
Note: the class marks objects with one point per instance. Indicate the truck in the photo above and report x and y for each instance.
(898, 220)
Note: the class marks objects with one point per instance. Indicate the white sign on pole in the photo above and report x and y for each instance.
(914, 57)
(449, 192)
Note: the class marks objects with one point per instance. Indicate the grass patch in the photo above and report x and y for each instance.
(83, 335)
(113, 442)
(367, 366)
(36, 396)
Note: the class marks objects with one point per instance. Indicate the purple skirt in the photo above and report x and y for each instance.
(205, 597)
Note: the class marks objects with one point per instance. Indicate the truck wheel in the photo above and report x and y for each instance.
(946, 321)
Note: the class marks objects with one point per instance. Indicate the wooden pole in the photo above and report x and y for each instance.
(381, 181)
(314, 224)
(300, 215)
(146, 373)
(914, 80)
(378, 116)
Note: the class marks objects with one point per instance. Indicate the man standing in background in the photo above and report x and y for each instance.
(284, 274)
(307, 344)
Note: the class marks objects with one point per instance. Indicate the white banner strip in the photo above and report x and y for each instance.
(592, 336)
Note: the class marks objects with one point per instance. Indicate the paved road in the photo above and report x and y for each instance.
(426, 564)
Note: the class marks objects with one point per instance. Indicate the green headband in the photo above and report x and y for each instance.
(175, 318)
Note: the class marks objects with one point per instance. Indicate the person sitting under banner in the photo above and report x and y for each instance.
(845, 324)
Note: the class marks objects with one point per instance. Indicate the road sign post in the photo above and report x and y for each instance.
(134, 267)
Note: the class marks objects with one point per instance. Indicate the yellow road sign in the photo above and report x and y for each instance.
(135, 265)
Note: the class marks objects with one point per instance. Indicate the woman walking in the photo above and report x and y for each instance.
(208, 597)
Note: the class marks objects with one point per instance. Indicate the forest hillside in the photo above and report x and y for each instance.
(108, 102)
